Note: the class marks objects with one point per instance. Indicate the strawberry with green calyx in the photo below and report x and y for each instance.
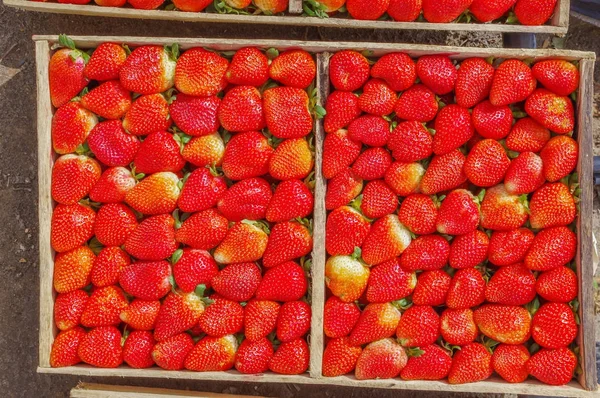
(339, 357)
(346, 276)
(71, 125)
(382, 359)
(146, 280)
(511, 285)
(432, 288)
(193, 267)
(178, 313)
(501, 211)
(113, 185)
(101, 347)
(141, 314)
(427, 363)
(457, 326)
(72, 269)
(346, 228)
(471, 363)
(284, 282)
(203, 230)
(419, 326)
(247, 199)
(237, 282)
(66, 72)
(339, 317)
(390, 282)
(65, 347)
(246, 241)
(71, 226)
(171, 353)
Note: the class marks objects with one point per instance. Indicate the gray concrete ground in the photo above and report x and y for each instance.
(18, 182)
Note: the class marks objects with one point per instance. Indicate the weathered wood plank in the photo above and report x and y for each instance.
(87, 390)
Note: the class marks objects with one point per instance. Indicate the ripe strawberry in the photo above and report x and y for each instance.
(339, 318)
(550, 110)
(342, 108)
(146, 280)
(141, 314)
(346, 277)
(418, 213)
(282, 104)
(339, 357)
(486, 163)
(339, 152)
(348, 70)
(492, 121)
(432, 288)
(196, 116)
(207, 150)
(248, 67)
(194, 267)
(293, 68)
(65, 74)
(511, 285)
(427, 363)
(237, 282)
(242, 110)
(458, 213)
(244, 242)
(453, 128)
(72, 269)
(377, 321)
(426, 252)
(101, 347)
(525, 174)
(557, 285)
(155, 194)
(554, 367)
(377, 98)
(247, 155)
(293, 159)
(410, 141)
(527, 135)
(191, 5)
(551, 248)
(559, 157)
(104, 307)
(160, 151)
(65, 348)
(342, 188)
(543, 11)
(73, 177)
(260, 319)
(437, 72)
(471, 363)
(171, 353)
(288, 240)
(147, 114)
(247, 199)
(178, 313)
(444, 172)
(345, 229)
(504, 323)
(378, 200)
(201, 190)
(291, 199)
(293, 321)
(510, 361)
(143, 4)
(112, 145)
(200, 73)
(466, 251)
(486, 11)
(457, 326)
(270, 7)
(552, 205)
(203, 230)
(502, 211)
(290, 358)
(419, 326)
(557, 75)
(148, 70)
(68, 308)
(367, 10)
(383, 359)
(106, 62)
(417, 103)
(513, 82)
(404, 178)
(71, 226)
(153, 238)
(467, 289)
(404, 11)
(285, 282)
(109, 100)
(113, 185)
(554, 325)
(71, 125)
(387, 239)
(221, 318)
(108, 266)
(137, 349)
(473, 81)
(253, 356)
(398, 70)
(370, 130)
(390, 282)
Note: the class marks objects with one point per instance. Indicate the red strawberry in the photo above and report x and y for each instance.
(486, 163)
(346, 277)
(339, 152)
(71, 226)
(72, 269)
(71, 125)
(417, 103)
(191, 5)
(156, 194)
(427, 363)
(253, 356)
(559, 156)
(242, 110)
(398, 70)
(237, 282)
(554, 367)
(160, 151)
(342, 188)
(467, 289)
(390, 282)
(109, 100)
(551, 248)
(557, 75)
(68, 308)
(444, 172)
(112, 145)
(513, 82)
(432, 288)
(293, 68)
(260, 319)
(458, 214)
(245, 242)
(554, 325)
(108, 266)
(527, 135)
(137, 350)
(171, 353)
(511, 285)
(148, 70)
(146, 281)
(113, 185)
(141, 314)
(247, 155)
(418, 213)
(383, 359)
(73, 177)
(142, 4)
(437, 72)
(466, 251)
(370, 130)
(339, 318)
(285, 282)
(293, 159)
(246, 199)
(525, 174)
(473, 81)
(201, 191)
(101, 347)
(492, 121)
(65, 348)
(348, 70)
(288, 240)
(502, 211)
(486, 11)
(221, 318)
(376, 322)
(153, 239)
(404, 11)
(148, 114)
(104, 307)
(367, 10)
(419, 326)
(504, 323)
(290, 358)
(345, 229)
(410, 141)
(203, 230)
(387, 239)
(471, 363)
(194, 267)
(558, 285)
(372, 164)
(293, 321)
(248, 67)
(200, 72)
(271, 7)
(378, 200)
(291, 199)
(282, 104)
(65, 74)
(207, 150)
(552, 205)
(377, 98)
(453, 128)
(426, 252)
(510, 361)
(342, 108)
(457, 326)
(178, 313)
(550, 110)
(544, 10)
(196, 116)
(106, 62)
(339, 357)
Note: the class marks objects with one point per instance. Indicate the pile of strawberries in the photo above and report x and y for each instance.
(183, 188)
(452, 201)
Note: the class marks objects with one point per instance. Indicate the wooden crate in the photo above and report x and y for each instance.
(558, 24)
(323, 50)
(89, 390)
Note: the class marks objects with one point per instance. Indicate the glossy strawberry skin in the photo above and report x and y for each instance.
(488, 11)
(342, 108)
(106, 62)
(390, 282)
(112, 145)
(66, 77)
(345, 229)
(551, 111)
(457, 326)
(71, 226)
(342, 188)
(486, 163)
(247, 199)
(71, 125)
(108, 265)
(436, 71)
(511, 285)
(552, 205)
(398, 70)
(348, 70)
(473, 82)
(141, 314)
(346, 277)
(383, 359)
(109, 100)
(370, 130)
(207, 150)
(137, 350)
(501, 211)
(377, 321)
(432, 288)
(339, 357)
(293, 68)
(253, 356)
(559, 157)
(418, 213)
(221, 318)
(203, 230)
(237, 282)
(196, 116)
(378, 200)
(559, 76)
(242, 110)
(285, 282)
(372, 164)
(155, 194)
(101, 347)
(509, 361)
(147, 114)
(527, 135)
(387, 239)
(282, 104)
(73, 177)
(65, 347)
(453, 128)
(339, 152)
(492, 121)
(554, 326)
(260, 319)
(247, 155)
(201, 191)
(200, 72)
(433, 364)
(472, 363)
(148, 70)
(159, 152)
(178, 313)
(503, 323)
(104, 307)
(525, 174)
(468, 250)
(68, 308)
(339, 317)
(291, 199)
(72, 269)
(244, 242)
(377, 98)
(427, 252)
(113, 185)
(171, 353)
(410, 141)
(292, 159)
(290, 358)
(554, 367)
(558, 285)
(544, 10)
(195, 267)
(467, 289)
(293, 321)
(146, 281)
(364, 10)
(551, 248)
(445, 172)
(248, 67)
(288, 240)
(458, 213)
(513, 82)
(419, 326)
(417, 103)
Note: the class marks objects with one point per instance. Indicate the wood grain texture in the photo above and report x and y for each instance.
(561, 15)
(295, 7)
(88, 390)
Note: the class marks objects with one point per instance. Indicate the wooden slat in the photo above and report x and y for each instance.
(87, 390)
(561, 15)
(295, 7)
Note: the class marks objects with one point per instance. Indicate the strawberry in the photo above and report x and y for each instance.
(554, 325)
(71, 226)
(432, 288)
(342, 188)
(342, 108)
(427, 363)
(65, 348)
(543, 11)
(291, 199)
(253, 356)
(339, 152)
(271, 7)
(377, 321)
(293, 159)
(404, 11)
(486, 11)
(109, 100)
(367, 10)
(191, 5)
(467, 289)
(247, 155)
(112, 145)
(141, 314)
(473, 80)
(143, 4)
(288, 240)
(137, 350)
(510, 361)
(404, 178)
(426, 252)
(457, 326)
(293, 68)
(387, 239)
(195, 116)
(248, 67)
(148, 114)
(290, 358)
(557, 285)
(207, 150)
(104, 307)
(444, 172)
(504, 323)
(492, 121)
(237, 282)
(511, 285)
(458, 213)
(73, 177)
(221, 318)
(390, 282)
(245, 242)
(410, 141)
(559, 157)
(339, 357)
(106, 62)
(551, 248)
(203, 230)
(339, 318)
(557, 75)
(437, 72)
(417, 103)
(346, 277)
(68, 308)
(172, 353)
(146, 281)
(525, 174)
(345, 229)
(293, 321)
(418, 213)
(552, 205)
(348, 70)
(101, 347)
(113, 185)
(513, 82)
(72, 269)
(71, 125)
(554, 367)
(419, 326)
(471, 363)
(398, 70)
(370, 130)
(502, 211)
(486, 163)
(178, 313)
(453, 128)
(159, 152)
(383, 359)
(155, 194)
(527, 135)
(550, 110)
(200, 73)
(282, 104)
(201, 190)
(377, 98)
(194, 267)
(378, 200)
(466, 251)
(285, 282)
(246, 199)
(108, 266)
(242, 110)
(260, 319)
(148, 70)
(65, 74)
(372, 164)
